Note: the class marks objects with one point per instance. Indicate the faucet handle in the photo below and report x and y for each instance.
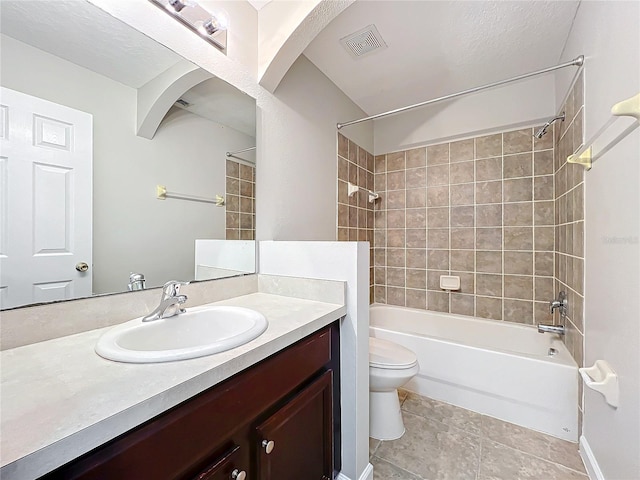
(172, 287)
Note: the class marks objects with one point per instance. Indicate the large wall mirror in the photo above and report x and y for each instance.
(96, 118)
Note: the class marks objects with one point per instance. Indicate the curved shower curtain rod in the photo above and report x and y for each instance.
(576, 62)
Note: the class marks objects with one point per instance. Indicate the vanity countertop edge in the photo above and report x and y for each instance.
(61, 400)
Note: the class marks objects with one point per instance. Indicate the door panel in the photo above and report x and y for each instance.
(46, 200)
(301, 432)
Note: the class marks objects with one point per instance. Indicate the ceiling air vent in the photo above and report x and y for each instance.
(363, 41)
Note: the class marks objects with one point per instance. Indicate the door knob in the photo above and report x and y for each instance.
(268, 446)
(82, 267)
(238, 475)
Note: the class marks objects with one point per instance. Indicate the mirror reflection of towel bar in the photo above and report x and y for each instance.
(163, 194)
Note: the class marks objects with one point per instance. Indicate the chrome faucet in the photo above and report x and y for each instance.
(559, 304)
(169, 303)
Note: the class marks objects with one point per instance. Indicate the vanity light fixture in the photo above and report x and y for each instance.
(211, 27)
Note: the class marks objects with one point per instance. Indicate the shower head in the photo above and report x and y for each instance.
(540, 133)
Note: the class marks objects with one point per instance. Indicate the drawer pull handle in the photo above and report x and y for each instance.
(238, 474)
(268, 445)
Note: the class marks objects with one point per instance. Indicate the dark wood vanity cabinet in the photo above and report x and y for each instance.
(277, 420)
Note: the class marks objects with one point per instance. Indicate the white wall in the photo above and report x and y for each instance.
(297, 155)
(133, 231)
(522, 104)
(345, 261)
(608, 34)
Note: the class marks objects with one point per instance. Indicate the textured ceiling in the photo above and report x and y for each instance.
(87, 36)
(440, 47)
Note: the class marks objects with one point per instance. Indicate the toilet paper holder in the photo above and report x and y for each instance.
(603, 379)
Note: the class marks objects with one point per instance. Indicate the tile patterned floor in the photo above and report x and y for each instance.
(443, 442)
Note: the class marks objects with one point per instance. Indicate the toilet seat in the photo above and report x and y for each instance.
(389, 355)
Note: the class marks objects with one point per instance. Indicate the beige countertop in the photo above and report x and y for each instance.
(59, 399)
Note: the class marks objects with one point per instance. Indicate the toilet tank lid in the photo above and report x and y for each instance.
(383, 353)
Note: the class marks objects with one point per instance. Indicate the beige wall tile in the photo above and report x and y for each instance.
(519, 263)
(489, 169)
(467, 282)
(416, 238)
(518, 141)
(438, 154)
(438, 301)
(519, 165)
(438, 238)
(518, 238)
(489, 215)
(518, 214)
(488, 262)
(463, 260)
(396, 238)
(489, 192)
(488, 146)
(395, 218)
(416, 178)
(416, 218)
(416, 279)
(438, 217)
(462, 304)
(380, 294)
(396, 296)
(396, 161)
(416, 197)
(543, 162)
(462, 194)
(518, 286)
(462, 172)
(438, 175)
(543, 188)
(395, 257)
(518, 311)
(380, 164)
(489, 308)
(461, 150)
(543, 263)
(438, 196)
(416, 299)
(518, 189)
(416, 258)
(544, 290)
(396, 199)
(395, 277)
(489, 285)
(417, 157)
(462, 216)
(438, 259)
(489, 238)
(396, 180)
(463, 238)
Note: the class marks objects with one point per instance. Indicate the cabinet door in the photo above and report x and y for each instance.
(296, 442)
(225, 468)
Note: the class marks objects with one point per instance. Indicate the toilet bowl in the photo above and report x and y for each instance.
(390, 366)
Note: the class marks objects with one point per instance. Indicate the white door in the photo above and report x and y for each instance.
(46, 153)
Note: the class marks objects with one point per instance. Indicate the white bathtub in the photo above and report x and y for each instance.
(495, 368)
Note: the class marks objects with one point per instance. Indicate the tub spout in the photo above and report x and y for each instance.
(558, 329)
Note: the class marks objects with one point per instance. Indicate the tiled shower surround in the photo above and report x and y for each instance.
(240, 202)
(481, 209)
(569, 221)
(355, 213)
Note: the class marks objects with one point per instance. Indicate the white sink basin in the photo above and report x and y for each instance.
(198, 332)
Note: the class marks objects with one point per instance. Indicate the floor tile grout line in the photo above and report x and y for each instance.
(400, 468)
(481, 435)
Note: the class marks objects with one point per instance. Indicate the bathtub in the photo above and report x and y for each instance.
(499, 369)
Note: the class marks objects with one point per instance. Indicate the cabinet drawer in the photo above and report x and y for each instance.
(226, 468)
(182, 441)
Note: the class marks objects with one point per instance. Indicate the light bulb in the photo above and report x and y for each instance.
(217, 22)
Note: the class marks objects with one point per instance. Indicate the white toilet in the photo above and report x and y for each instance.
(390, 366)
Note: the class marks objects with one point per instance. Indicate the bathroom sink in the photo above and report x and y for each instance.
(198, 332)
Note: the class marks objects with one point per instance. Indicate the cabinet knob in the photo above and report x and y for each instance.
(238, 474)
(268, 445)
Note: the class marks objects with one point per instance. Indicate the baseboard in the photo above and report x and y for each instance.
(367, 474)
(589, 459)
